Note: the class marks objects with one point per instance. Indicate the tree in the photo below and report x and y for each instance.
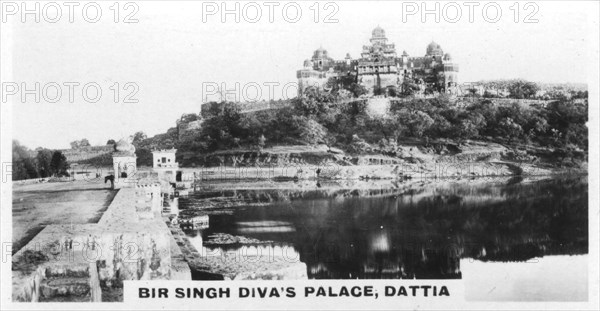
(409, 88)
(441, 127)
(143, 157)
(472, 91)
(359, 145)
(44, 160)
(392, 91)
(344, 82)
(138, 137)
(23, 166)
(111, 142)
(78, 144)
(320, 106)
(377, 90)
(469, 125)
(510, 129)
(332, 86)
(490, 94)
(58, 164)
(536, 127)
(522, 89)
(314, 102)
(308, 130)
(84, 143)
(357, 89)
(416, 122)
(568, 120)
(225, 125)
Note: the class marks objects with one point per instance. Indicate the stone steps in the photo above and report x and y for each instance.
(65, 299)
(67, 288)
(74, 270)
(69, 284)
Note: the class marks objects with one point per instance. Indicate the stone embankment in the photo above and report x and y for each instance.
(251, 260)
(78, 262)
(438, 160)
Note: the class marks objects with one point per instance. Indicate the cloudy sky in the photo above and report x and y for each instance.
(171, 53)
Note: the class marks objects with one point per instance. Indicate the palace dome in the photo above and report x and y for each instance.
(447, 57)
(320, 53)
(378, 32)
(125, 146)
(434, 49)
(308, 63)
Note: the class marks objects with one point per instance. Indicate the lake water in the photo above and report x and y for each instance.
(508, 240)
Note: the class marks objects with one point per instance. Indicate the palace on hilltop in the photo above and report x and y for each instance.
(379, 68)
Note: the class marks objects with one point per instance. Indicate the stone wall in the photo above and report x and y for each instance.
(87, 153)
(369, 81)
(249, 107)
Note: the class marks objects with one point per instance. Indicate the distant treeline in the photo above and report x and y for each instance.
(331, 118)
(522, 89)
(45, 163)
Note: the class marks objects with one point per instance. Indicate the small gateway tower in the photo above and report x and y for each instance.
(124, 164)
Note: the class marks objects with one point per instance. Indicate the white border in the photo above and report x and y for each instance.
(594, 186)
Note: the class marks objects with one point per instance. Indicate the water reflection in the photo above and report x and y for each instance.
(264, 226)
(424, 234)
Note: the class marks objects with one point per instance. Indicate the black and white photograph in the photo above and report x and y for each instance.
(341, 155)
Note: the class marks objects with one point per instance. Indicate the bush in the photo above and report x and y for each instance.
(359, 145)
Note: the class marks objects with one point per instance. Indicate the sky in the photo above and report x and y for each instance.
(176, 53)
